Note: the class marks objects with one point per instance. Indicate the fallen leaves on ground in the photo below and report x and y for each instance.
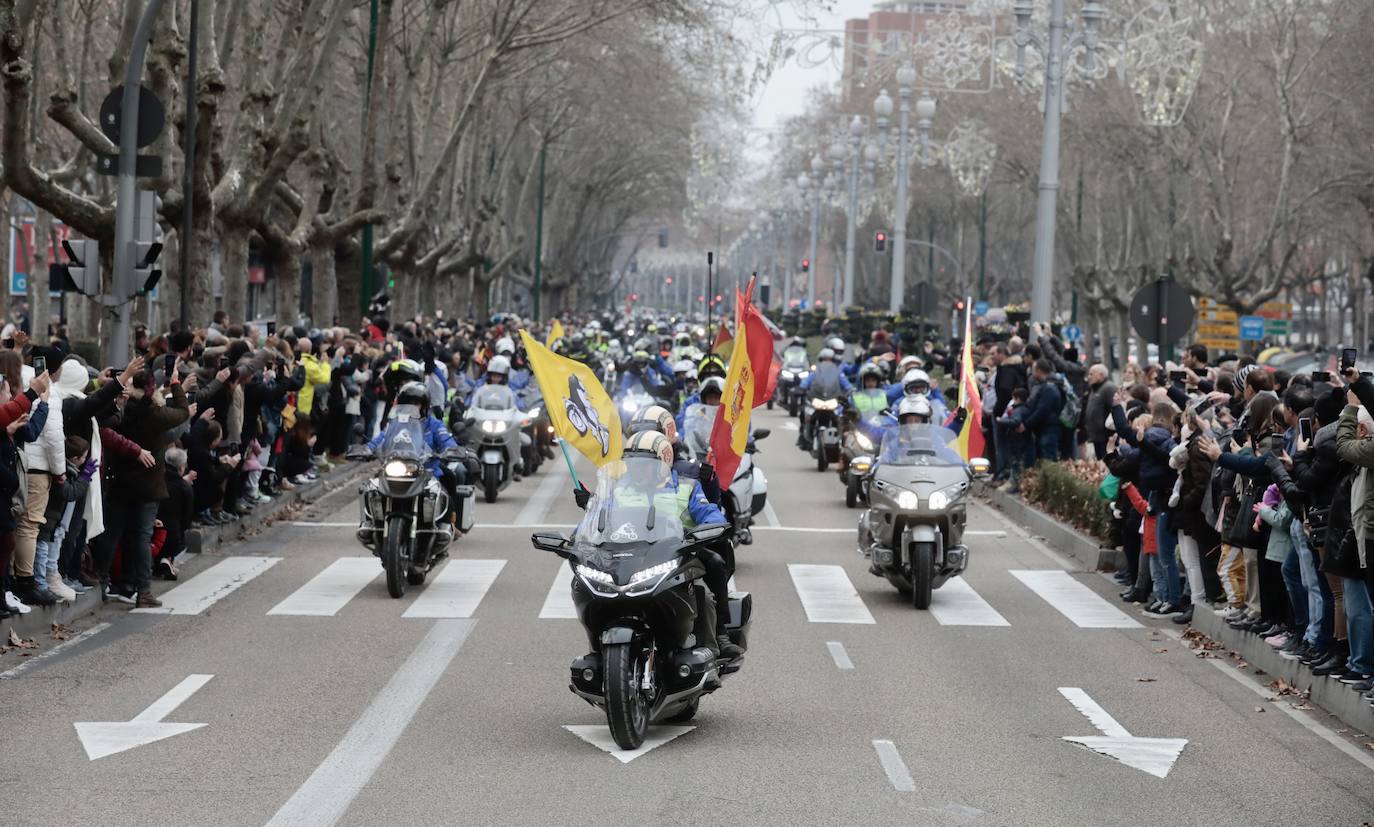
(62, 632)
(1283, 687)
(1161, 650)
(1146, 680)
(14, 641)
(1259, 709)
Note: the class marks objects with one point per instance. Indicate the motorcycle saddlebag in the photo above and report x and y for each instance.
(741, 609)
(467, 506)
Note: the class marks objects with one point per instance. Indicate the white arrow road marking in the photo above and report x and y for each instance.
(102, 738)
(205, 589)
(827, 595)
(600, 737)
(839, 655)
(324, 797)
(1153, 755)
(894, 766)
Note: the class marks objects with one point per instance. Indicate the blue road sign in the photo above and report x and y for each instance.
(1072, 332)
(1251, 328)
(980, 308)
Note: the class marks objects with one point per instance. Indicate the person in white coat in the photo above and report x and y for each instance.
(44, 460)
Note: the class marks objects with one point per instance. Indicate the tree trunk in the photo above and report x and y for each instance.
(40, 306)
(234, 250)
(324, 285)
(1123, 319)
(286, 274)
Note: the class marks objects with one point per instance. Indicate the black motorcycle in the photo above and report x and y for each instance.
(405, 509)
(638, 592)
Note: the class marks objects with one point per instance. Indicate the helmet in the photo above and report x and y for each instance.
(641, 357)
(825, 354)
(614, 344)
(916, 377)
(406, 370)
(413, 393)
(593, 325)
(712, 365)
(653, 418)
(505, 346)
(651, 444)
(835, 343)
(715, 383)
(909, 362)
(682, 366)
(798, 341)
(499, 364)
(870, 369)
(683, 339)
(915, 405)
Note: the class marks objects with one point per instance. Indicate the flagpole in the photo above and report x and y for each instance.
(710, 291)
(568, 459)
(968, 348)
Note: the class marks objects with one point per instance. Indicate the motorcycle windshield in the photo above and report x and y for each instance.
(404, 437)
(928, 445)
(633, 519)
(825, 382)
(493, 398)
(696, 426)
(795, 360)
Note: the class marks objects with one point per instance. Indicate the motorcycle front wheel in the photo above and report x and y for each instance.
(851, 492)
(922, 573)
(821, 463)
(491, 482)
(393, 556)
(627, 710)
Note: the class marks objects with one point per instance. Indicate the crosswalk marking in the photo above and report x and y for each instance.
(330, 590)
(558, 603)
(827, 595)
(457, 589)
(1074, 600)
(957, 604)
(210, 586)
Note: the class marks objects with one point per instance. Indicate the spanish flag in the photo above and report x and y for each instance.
(730, 433)
(724, 344)
(555, 332)
(971, 436)
(580, 410)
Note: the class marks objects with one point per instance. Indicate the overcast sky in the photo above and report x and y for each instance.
(786, 89)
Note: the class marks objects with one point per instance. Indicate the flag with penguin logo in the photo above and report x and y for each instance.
(581, 412)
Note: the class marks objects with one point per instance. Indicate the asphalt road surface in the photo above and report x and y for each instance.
(305, 695)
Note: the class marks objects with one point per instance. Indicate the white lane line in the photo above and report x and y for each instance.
(800, 528)
(957, 604)
(212, 585)
(827, 595)
(770, 516)
(15, 671)
(985, 534)
(1099, 717)
(457, 589)
(538, 506)
(1310, 725)
(894, 766)
(839, 655)
(1085, 607)
(558, 603)
(324, 797)
(330, 590)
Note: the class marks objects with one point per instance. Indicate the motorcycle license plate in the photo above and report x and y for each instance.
(491, 457)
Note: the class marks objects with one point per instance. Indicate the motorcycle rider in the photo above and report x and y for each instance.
(917, 381)
(870, 399)
(641, 371)
(437, 436)
(825, 382)
(710, 366)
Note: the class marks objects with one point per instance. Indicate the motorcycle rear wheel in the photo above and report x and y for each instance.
(393, 556)
(627, 710)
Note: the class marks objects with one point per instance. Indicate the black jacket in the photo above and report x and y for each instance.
(1010, 375)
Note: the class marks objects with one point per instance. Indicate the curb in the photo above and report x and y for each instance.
(1331, 696)
(1062, 538)
(38, 623)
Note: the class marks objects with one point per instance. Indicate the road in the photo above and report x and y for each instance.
(328, 702)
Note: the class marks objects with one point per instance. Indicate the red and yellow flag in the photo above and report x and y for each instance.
(724, 343)
(971, 436)
(730, 433)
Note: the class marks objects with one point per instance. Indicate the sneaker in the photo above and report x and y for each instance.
(33, 593)
(75, 585)
(1167, 609)
(1150, 607)
(301, 479)
(124, 594)
(17, 605)
(1314, 656)
(146, 600)
(1333, 666)
(286, 485)
(64, 592)
(166, 569)
(1184, 617)
(1296, 652)
(1363, 686)
(728, 649)
(1353, 678)
(1278, 641)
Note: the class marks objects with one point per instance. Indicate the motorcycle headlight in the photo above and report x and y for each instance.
(908, 501)
(595, 575)
(788, 375)
(804, 374)
(397, 469)
(493, 426)
(654, 572)
(864, 442)
(628, 406)
(939, 501)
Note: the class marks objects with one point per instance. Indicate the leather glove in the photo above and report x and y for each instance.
(581, 496)
(708, 473)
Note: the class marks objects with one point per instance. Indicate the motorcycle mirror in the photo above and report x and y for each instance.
(762, 433)
(551, 541)
(358, 452)
(705, 533)
(469, 421)
(980, 467)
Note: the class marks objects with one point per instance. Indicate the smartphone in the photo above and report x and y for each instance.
(1276, 443)
(1305, 428)
(1204, 407)
(271, 328)
(1178, 375)
(169, 364)
(9, 343)
(1348, 355)
(223, 362)
(1321, 376)
(40, 364)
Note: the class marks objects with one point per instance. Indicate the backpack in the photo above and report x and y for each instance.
(1072, 410)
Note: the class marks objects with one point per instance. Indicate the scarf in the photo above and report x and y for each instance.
(1357, 508)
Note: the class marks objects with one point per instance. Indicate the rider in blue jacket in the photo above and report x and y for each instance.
(436, 436)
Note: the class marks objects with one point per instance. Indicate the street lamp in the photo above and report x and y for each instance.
(856, 137)
(1055, 52)
(882, 108)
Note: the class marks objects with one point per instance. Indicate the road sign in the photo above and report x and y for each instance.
(1072, 332)
(1277, 327)
(152, 117)
(1162, 312)
(1251, 328)
(980, 308)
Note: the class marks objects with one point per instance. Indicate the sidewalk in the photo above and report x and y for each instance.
(37, 623)
(1064, 539)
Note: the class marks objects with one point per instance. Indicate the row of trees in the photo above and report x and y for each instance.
(440, 153)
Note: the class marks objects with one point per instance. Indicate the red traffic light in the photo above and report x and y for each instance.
(668, 280)
(806, 265)
(879, 241)
(959, 305)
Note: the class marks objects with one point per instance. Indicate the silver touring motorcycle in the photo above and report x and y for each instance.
(638, 589)
(917, 494)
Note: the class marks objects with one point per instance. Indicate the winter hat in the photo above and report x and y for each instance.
(1241, 374)
(1271, 496)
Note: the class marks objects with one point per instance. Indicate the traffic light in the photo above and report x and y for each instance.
(147, 242)
(806, 265)
(959, 305)
(663, 237)
(83, 269)
(880, 241)
(668, 280)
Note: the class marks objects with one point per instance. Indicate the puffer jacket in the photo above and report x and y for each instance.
(317, 372)
(1359, 453)
(1196, 477)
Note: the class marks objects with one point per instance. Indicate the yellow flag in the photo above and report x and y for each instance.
(736, 404)
(555, 332)
(580, 410)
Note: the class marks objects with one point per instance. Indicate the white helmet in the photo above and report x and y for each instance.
(826, 353)
(835, 343)
(714, 383)
(499, 364)
(914, 376)
(914, 405)
(909, 362)
(505, 347)
(682, 366)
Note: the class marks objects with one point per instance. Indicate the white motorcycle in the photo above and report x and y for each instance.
(747, 494)
(499, 440)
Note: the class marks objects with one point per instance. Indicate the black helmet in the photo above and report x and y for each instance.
(413, 393)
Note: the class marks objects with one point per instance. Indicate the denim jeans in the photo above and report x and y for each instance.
(1297, 595)
(1359, 618)
(1312, 583)
(1164, 565)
